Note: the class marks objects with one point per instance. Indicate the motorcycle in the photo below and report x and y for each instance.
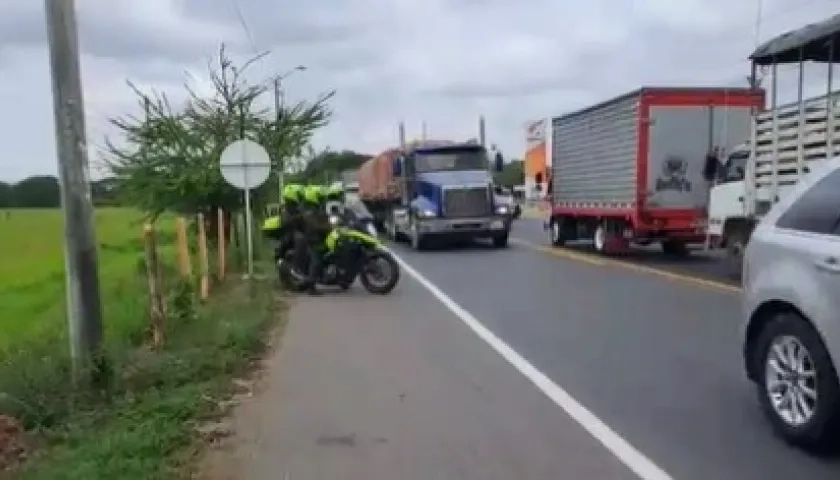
(350, 252)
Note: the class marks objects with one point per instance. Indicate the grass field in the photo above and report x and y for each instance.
(140, 424)
(32, 293)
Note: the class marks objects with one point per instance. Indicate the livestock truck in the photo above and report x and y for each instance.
(631, 170)
(435, 190)
(785, 143)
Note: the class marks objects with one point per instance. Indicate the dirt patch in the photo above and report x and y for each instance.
(13, 444)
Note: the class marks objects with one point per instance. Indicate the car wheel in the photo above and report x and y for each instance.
(797, 384)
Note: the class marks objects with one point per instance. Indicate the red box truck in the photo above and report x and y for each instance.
(633, 169)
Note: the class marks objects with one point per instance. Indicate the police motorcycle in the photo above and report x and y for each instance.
(350, 252)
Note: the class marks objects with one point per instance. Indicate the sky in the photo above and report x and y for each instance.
(442, 62)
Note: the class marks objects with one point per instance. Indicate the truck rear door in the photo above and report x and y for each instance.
(679, 139)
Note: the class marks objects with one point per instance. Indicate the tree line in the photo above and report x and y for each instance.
(42, 191)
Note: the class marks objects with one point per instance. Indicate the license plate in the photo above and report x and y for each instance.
(497, 224)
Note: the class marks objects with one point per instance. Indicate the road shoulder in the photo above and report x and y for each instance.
(391, 387)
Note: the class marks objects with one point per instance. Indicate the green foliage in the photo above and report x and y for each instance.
(513, 174)
(328, 165)
(42, 191)
(168, 160)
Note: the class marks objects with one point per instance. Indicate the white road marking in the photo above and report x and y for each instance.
(635, 460)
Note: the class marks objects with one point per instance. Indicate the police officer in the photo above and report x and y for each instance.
(316, 227)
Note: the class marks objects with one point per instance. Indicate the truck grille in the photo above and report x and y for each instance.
(466, 202)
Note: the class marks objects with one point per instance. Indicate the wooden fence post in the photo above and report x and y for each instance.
(222, 244)
(157, 305)
(184, 262)
(204, 286)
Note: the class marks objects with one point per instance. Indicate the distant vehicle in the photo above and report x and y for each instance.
(504, 197)
(631, 169)
(791, 305)
(435, 190)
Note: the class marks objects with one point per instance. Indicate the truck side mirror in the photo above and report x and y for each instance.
(397, 167)
(499, 162)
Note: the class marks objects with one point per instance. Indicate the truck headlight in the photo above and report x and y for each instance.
(502, 210)
(426, 213)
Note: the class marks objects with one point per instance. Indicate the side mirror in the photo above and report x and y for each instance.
(396, 168)
(499, 162)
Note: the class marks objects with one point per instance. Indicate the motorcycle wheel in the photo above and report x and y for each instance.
(374, 279)
(288, 280)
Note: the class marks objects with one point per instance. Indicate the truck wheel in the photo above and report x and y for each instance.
(500, 241)
(599, 239)
(557, 237)
(736, 242)
(674, 248)
(417, 241)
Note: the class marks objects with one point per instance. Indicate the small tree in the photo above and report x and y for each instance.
(168, 159)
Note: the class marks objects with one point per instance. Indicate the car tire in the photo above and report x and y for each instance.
(821, 432)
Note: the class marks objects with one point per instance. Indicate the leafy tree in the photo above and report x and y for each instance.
(6, 195)
(169, 158)
(513, 174)
(328, 165)
(40, 191)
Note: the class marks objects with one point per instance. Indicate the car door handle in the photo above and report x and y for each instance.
(829, 264)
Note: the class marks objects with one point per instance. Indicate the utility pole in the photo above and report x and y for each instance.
(278, 112)
(84, 303)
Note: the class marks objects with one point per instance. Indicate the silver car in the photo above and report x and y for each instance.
(791, 307)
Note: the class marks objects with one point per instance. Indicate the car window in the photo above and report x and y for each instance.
(817, 210)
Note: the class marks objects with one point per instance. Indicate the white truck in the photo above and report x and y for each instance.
(787, 141)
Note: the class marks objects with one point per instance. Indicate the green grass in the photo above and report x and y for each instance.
(140, 426)
(32, 295)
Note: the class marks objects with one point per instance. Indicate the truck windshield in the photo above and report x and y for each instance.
(735, 166)
(450, 161)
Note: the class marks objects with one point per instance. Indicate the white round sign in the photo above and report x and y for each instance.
(245, 164)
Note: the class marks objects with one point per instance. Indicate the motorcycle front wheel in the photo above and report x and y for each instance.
(380, 273)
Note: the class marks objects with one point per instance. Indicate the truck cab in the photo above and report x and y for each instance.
(447, 194)
(729, 213)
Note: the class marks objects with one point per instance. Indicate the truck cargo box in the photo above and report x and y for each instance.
(375, 177)
(643, 154)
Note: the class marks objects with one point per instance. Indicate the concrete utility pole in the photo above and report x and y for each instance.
(84, 306)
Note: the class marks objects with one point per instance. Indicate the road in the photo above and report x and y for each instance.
(415, 390)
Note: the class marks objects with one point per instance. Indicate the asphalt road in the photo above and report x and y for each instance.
(396, 387)
(699, 263)
(654, 357)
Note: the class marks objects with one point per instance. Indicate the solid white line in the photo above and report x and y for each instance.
(635, 460)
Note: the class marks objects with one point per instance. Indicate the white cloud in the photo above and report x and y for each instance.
(442, 61)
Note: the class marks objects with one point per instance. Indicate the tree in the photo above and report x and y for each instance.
(169, 158)
(328, 165)
(40, 191)
(513, 174)
(6, 195)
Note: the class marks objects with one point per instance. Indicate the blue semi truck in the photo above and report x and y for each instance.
(441, 191)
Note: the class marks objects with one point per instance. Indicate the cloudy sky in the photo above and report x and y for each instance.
(442, 61)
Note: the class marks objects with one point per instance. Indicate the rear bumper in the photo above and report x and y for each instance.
(465, 227)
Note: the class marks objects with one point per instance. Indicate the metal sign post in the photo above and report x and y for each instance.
(246, 165)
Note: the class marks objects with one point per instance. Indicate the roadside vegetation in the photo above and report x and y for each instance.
(138, 421)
